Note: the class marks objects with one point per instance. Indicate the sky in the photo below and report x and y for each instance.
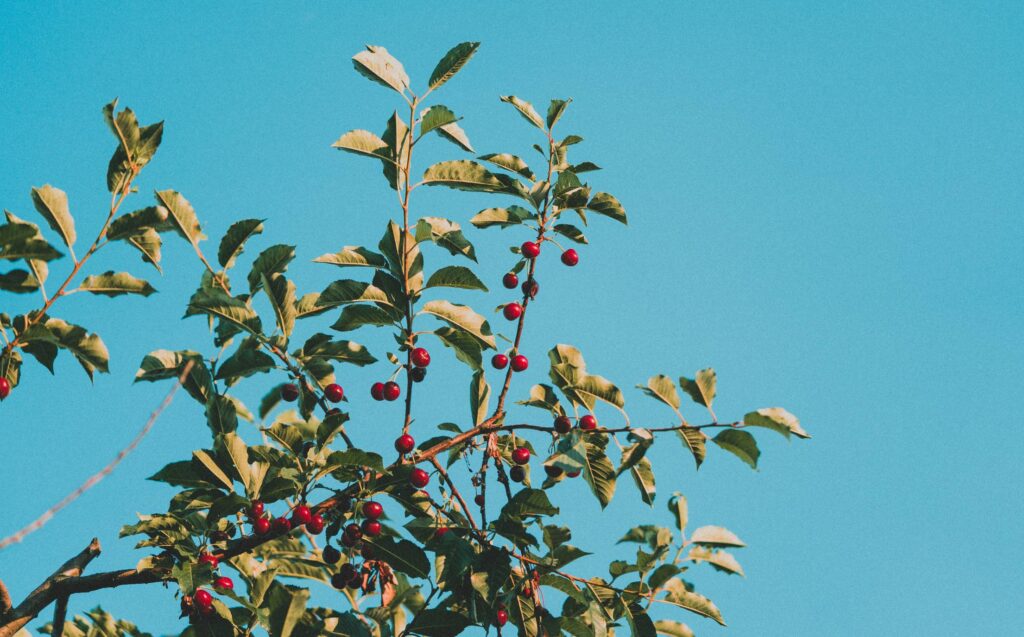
(825, 205)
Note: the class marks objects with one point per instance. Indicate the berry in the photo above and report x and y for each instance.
(520, 363)
(212, 560)
(418, 374)
(391, 390)
(501, 617)
(301, 516)
(353, 532)
(349, 541)
(348, 571)
(530, 288)
(224, 584)
(334, 392)
(261, 526)
(517, 473)
(366, 551)
(552, 470)
(377, 391)
(512, 311)
(282, 525)
(371, 528)
(373, 510)
(521, 455)
(331, 555)
(289, 392)
(355, 582)
(256, 509)
(5, 388)
(573, 474)
(439, 533)
(526, 591)
(570, 257)
(510, 280)
(404, 444)
(563, 425)
(530, 249)
(420, 357)
(419, 478)
(588, 422)
(499, 361)
(316, 525)
(203, 599)
(479, 499)
(337, 581)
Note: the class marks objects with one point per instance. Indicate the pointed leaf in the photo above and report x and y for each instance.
(233, 242)
(52, 204)
(452, 63)
(376, 64)
(115, 283)
(525, 109)
(741, 444)
(776, 419)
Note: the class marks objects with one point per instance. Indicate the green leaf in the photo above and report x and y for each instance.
(87, 348)
(281, 293)
(599, 473)
(695, 441)
(605, 204)
(445, 234)
(455, 276)
(662, 388)
(720, 560)
(592, 387)
(529, 502)
(216, 303)
(127, 225)
(182, 215)
(643, 476)
(462, 317)
(147, 242)
(18, 282)
(52, 204)
(233, 242)
(452, 63)
(678, 508)
(210, 463)
(397, 136)
(556, 110)
(479, 397)
(273, 260)
(377, 65)
(739, 443)
(138, 143)
(454, 133)
(356, 316)
(702, 389)
(353, 256)
(363, 142)
(392, 245)
(323, 347)
(672, 628)
(403, 556)
(29, 249)
(244, 363)
(346, 291)
(115, 284)
(543, 397)
(463, 174)
(163, 364)
(436, 116)
(438, 622)
(221, 415)
(467, 348)
(525, 109)
(27, 231)
(287, 606)
(570, 232)
(511, 163)
(502, 217)
(715, 536)
(776, 419)
(693, 602)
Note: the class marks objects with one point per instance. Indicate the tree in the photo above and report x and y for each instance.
(500, 554)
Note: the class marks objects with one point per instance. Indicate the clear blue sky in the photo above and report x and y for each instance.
(826, 205)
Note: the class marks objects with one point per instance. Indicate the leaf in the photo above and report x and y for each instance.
(438, 622)
(467, 348)
(463, 174)
(529, 502)
(511, 163)
(403, 556)
(115, 284)
(570, 232)
(695, 441)
(134, 142)
(356, 316)
(445, 234)
(701, 390)
(605, 204)
(273, 260)
(556, 110)
(363, 142)
(221, 416)
(643, 476)
(455, 276)
(181, 215)
(720, 560)
(776, 419)
(461, 317)
(479, 397)
(715, 536)
(436, 116)
(287, 606)
(353, 256)
(502, 217)
(233, 242)
(662, 388)
(87, 348)
(147, 242)
(452, 63)
(596, 387)
(29, 231)
(207, 460)
(454, 133)
(346, 291)
(163, 364)
(30, 250)
(525, 109)
(321, 346)
(244, 363)
(52, 204)
(672, 628)
(281, 293)
(543, 397)
(599, 473)
(376, 64)
(18, 282)
(739, 443)
(693, 602)
(678, 508)
(150, 217)
(216, 303)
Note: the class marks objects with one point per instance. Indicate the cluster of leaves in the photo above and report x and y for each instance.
(483, 570)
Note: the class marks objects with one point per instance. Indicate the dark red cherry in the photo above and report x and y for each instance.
(405, 443)
(570, 257)
(5, 387)
(418, 374)
(256, 509)
(563, 425)
(517, 473)
(391, 390)
(520, 363)
(530, 249)
(373, 510)
(282, 525)
(261, 526)
(499, 361)
(553, 471)
(334, 392)
(512, 311)
(588, 422)
(302, 515)
(510, 280)
(224, 584)
(521, 455)
(331, 555)
(203, 599)
(419, 478)
(371, 528)
(377, 391)
(420, 357)
(316, 525)
(212, 560)
(289, 392)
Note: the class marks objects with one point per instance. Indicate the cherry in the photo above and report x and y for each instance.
(520, 363)
(371, 528)
(418, 374)
(404, 444)
(573, 474)
(282, 525)
(331, 555)
(530, 288)
(366, 551)
(510, 280)
(316, 524)
(212, 560)
(391, 390)
(530, 249)
(373, 510)
(355, 582)
(419, 478)
(501, 617)
(353, 532)
(348, 571)
(334, 392)
(570, 257)
(588, 422)
(302, 515)
(499, 361)
(479, 499)
(521, 455)
(563, 425)
(289, 392)
(439, 533)
(420, 357)
(256, 509)
(349, 541)
(261, 526)
(377, 391)
(224, 584)
(552, 470)
(5, 387)
(512, 311)
(203, 599)
(337, 581)
(526, 591)
(517, 473)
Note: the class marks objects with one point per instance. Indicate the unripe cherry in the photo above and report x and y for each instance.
(510, 280)
(512, 311)
(5, 388)
(521, 455)
(282, 525)
(420, 357)
(570, 257)
(334, 392)
(520, 363)
(419, 478)
(316, 525)
(530, 249)
(224, 584)
(373, 510)
(261, 526)
(405, 443)
(289, 392)
(391, 390)
(517, 473)
(563, 425)
(302, 515)
(371, 528)
(377, 391)
(499, 361)
(588, 422)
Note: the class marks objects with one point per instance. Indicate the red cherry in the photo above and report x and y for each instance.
(282, 525)
(353, 532)
(334, 392)
(588, 422)
(348, 540)
(420, 357)
(573, 474)
(499, 361)
(302, 515)
(331, 555)
(419, 478)
(517, 473)
(377, 391)
(526, 591)
(552, 470)
(570, 257)
(520, 363)
(316, 525)
(521, 455)
(202, 598)
(5, 388)
(479, 499)
(512, 311)
(373, 510)
(224, 584)
(289, 392)
(391, 390)
(371, 528)
(563, 425)
(212, 560)
(261, 526)
(530, 249)
(510, 280)
(501, 617)
(348, 571)
(530, 288)
(418, 374)
(256, 509)
(439, 533)
(339, 581)
(405, 443)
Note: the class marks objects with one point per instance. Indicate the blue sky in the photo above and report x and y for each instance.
(825, 205)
